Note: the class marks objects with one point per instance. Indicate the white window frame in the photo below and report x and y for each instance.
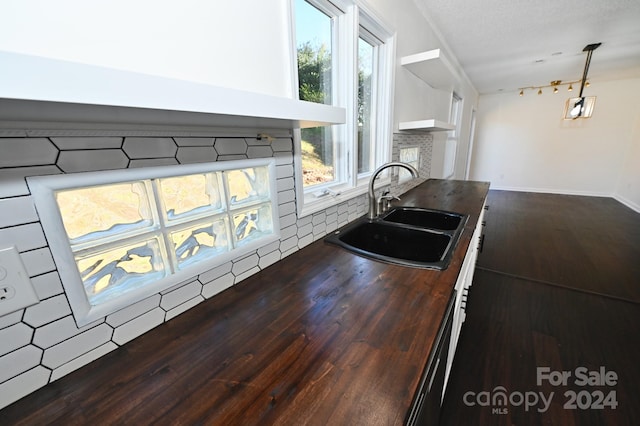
(43, 190)
(369, 37)
(352, 18)
(455, 114)
(451, 147)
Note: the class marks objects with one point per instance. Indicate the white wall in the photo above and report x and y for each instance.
(242, 45)
(523, 143)
(628, 187)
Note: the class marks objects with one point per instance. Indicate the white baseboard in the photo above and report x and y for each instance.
(628, 203)
(551, 191)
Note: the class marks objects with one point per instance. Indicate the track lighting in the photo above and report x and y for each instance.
(577, 109)
(555, 84)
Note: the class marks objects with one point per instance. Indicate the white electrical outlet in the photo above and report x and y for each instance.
(16, 290)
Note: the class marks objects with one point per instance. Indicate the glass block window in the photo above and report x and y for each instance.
(136, 229)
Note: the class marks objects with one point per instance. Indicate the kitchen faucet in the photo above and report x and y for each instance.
(372, 195)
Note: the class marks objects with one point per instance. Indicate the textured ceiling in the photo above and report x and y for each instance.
(507, 44)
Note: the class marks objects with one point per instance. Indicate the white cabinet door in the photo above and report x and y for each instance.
(462, 289)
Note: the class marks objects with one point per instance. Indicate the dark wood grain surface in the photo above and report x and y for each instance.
(557, 285)
(321, 337)
(590, 244)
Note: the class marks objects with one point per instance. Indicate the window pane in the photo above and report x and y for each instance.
(450, 156)
(365, 84)
(317, 156)
(248, 185)
(456, 104)
(110, 273)
(199, 242)
(115, 240)
(314, 32)
(102, 211)
(251, 224)
(313, 37)
(186, 196)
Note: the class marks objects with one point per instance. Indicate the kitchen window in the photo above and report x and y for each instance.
(344, 58)
(317, 32)
(451, 146)
(367, 74)
(120, 236)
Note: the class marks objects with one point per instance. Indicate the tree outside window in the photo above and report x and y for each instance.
(315, 67)
(366, 53)
(344, 58)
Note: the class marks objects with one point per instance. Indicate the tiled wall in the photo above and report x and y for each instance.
(42, 343)
(425, 142)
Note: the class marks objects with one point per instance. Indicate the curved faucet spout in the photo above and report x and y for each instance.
(372, 195)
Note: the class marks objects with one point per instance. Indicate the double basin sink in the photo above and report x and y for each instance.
(408, 236)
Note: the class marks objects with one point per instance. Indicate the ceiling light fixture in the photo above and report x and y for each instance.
(582, 107)
(555, 84)
(575, 107)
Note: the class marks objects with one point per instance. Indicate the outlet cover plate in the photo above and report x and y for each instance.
(16, 290)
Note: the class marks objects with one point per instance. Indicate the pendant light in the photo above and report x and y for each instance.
(581, 106)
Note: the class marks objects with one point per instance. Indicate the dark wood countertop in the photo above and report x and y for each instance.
(321, 337)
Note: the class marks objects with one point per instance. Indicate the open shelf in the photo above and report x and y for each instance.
(37, 89)
(432, 67)
(425, 126)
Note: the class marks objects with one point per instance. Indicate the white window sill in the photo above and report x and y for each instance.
(313, 204)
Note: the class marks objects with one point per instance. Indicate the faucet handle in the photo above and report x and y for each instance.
(391, 197)
(387, 196)
(384, 202)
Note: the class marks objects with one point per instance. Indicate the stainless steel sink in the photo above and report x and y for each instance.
(408, 236)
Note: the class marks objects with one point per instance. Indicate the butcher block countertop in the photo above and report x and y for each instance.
(322, 337)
